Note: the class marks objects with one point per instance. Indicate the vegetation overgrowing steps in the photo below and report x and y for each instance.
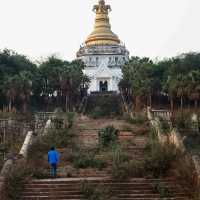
(71, 189)
(123, 189)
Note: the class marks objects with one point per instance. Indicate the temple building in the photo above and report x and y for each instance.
(103, 53)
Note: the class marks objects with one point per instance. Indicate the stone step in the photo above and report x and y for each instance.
(112, 185)
(64, 198)
(70, 188)
(100, 180)
(53, 197)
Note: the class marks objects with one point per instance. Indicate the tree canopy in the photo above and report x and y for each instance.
(25, 85)
(52, 82)
(176, 78)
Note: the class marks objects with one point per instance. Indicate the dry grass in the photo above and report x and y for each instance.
(184, 171)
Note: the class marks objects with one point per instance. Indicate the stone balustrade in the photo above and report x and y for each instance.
(165, 114)
(173, 137)
(27, 142)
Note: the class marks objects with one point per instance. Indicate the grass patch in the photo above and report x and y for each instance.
(88, 160)
(95, 192)
(137, 119)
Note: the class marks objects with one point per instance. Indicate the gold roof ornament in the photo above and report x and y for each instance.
(102, 34)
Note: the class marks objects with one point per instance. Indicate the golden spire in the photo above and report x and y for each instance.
(102, 34)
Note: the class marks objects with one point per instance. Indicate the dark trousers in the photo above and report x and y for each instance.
(54, 170)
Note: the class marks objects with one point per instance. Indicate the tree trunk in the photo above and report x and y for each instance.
(181, 103)
(137, 103)
(172, 110)
(10, 106)
(196, 104)
(66, 102)
(24, 107)
(172, 104)
(150, 101)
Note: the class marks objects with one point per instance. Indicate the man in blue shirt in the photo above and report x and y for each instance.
(53, 157)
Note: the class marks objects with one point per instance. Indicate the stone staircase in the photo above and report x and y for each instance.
(70, 189)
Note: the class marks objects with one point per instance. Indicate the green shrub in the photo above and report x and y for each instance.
(107, 136)
(88, 160)
(58, 137)
(159, 158)
(103, 106)
(37, 149)
(58, 123)
(192, 142)
(185, 172)
(164, 126)
(137, 119)
(94, 192)
(128, 170)
(1, 162)
(182, 120)
(119, 163)
(15, 180)
(162, 191)
(70, 119)
(40, 173)
(118, 155)
(123, 167)
(97, 113)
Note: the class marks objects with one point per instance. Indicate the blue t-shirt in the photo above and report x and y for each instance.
(53, 157)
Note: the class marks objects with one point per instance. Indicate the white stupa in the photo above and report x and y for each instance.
(103, 53)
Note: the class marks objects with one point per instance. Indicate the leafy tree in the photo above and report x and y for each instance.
(72, 79)
(13, 67)
(62, 79)
(10, 90)
(194, 86)
(25, 88)
(138, 75)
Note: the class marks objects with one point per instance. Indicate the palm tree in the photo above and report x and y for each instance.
(138, 75)
(181, 85)
(25, 88)
(194, 87)
(72, 81)
(10, 90)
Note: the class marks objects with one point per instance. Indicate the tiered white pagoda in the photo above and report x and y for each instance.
(103, 53)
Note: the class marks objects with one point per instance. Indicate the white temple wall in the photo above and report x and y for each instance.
(93, 86)
(103, 63)
(113, 60)
(113, 77)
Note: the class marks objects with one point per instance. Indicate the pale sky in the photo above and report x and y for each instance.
(153, 28)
